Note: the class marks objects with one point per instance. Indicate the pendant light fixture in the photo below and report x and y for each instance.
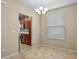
(42, 9)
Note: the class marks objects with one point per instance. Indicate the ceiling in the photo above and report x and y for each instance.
(51, 4)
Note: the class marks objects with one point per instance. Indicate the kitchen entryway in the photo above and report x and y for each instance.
(24, 31)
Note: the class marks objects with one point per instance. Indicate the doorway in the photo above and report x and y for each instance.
(25, 27)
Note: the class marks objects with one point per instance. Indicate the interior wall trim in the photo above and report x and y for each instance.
(59, 48)
(35, 45)
(8, 56)
(3, 2)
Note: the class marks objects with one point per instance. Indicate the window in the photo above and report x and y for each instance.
(55, 26)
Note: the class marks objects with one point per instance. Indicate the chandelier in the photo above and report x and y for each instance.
(41, 9)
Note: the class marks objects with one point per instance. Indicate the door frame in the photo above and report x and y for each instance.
(19, 41)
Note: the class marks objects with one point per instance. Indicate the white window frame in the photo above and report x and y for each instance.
(62, 17)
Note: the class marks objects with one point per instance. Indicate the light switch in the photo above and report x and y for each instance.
(13, 31)
(3, 2)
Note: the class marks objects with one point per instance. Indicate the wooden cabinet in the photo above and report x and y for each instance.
(25, 39)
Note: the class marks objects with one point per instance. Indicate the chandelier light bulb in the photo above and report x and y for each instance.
(39, 12)
(46, 9)
(36, 10)
(43, 12)
(41, 8)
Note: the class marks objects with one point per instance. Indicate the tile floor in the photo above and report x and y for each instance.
(43, 53)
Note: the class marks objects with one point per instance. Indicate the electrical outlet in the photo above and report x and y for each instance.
(3, 50)
(17, 44)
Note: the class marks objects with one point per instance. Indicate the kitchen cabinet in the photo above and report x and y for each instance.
(25, 39)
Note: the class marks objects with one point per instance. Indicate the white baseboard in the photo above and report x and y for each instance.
(35, 45)
(8, 56)
(59, 48)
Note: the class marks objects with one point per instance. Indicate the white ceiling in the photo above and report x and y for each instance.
(51, 4)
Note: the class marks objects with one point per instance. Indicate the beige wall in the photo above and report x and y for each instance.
(70, 29)
(9, 26)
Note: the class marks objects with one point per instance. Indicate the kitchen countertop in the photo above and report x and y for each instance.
(24, 33)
